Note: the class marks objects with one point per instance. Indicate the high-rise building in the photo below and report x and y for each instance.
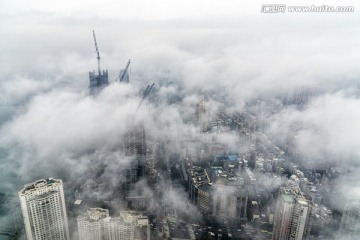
(98, 81)
(203, 116)
(218, 193)
(89, 223)
(134, 148)
(229, 202)
(292, 214)
(43, 208)
(97, 225)
(350, 221)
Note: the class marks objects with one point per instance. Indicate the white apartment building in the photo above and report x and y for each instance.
(97, 225)
(89, 223)
(43, 208)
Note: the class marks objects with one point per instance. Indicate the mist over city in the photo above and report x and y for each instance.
(179, 120)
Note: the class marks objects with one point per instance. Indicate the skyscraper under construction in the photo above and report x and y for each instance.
(100, 80)
(135, 148)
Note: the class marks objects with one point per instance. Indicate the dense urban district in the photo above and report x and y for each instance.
(227, 179)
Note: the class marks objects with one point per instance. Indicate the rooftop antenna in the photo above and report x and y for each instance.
(97, 53)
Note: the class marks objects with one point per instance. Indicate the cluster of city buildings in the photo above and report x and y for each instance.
(252, 185)
(259, 185)
(219, 191)
(44, 212)
(254, 188)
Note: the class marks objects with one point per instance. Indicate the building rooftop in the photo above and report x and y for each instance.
(288, 198)
(94, 215)
(38, 184)
(302, 202)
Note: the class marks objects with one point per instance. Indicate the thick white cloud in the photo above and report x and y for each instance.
(327, 127)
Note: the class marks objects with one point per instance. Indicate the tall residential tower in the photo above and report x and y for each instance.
(43, 208)
(292, 214)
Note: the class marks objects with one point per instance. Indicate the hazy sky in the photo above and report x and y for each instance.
(206, 42)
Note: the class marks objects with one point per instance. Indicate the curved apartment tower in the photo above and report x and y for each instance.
(43, 208)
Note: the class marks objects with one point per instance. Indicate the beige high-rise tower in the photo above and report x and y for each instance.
(43, 208)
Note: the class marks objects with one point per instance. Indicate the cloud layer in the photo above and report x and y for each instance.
(230, 53)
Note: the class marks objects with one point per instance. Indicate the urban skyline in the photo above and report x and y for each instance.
(213, 121)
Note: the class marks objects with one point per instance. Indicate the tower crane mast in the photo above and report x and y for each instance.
(145, 93)
(97, 53)
(125, 70)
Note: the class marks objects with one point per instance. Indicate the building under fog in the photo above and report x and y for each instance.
(98, 81)
(203, 116)
(134, 148)
(219, 191)
(43, 208)
(89, 223)
(350, 221)
(292, 214)
(96, 224)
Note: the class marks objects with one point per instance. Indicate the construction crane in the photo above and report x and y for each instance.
(145, 93)
(97, 53)
(122, 74)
